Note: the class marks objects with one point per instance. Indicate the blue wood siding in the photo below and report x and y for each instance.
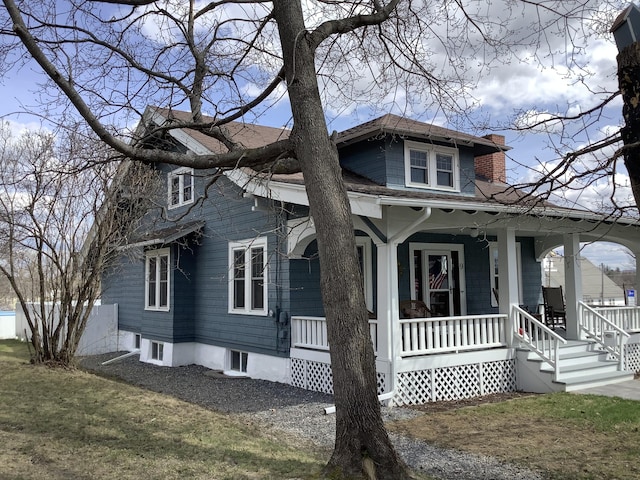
(304, 292)
(366, 159)
(467, 171)
(123, 284)
(394, 150)
(199, 278)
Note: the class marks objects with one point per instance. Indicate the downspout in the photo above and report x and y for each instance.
(393, 243)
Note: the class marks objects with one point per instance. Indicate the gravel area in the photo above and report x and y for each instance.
(296, 413)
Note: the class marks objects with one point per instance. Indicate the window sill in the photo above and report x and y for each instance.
(422, 186)
(234, 373)
(257, 313)
(178, 205)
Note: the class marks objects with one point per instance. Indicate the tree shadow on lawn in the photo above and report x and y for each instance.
(72, 421)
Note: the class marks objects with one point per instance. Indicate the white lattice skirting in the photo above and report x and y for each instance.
(455, 382)
(632, 357)
(316, 376)
(421, 386)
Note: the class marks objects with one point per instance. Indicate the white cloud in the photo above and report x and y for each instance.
(19, 128)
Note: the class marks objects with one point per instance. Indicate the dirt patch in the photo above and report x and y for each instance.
(445, 406)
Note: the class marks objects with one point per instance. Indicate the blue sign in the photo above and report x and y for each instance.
(631, 293)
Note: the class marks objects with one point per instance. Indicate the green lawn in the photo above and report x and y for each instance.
(569, 436)
(68, 424)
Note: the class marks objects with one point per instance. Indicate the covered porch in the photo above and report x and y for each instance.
(448, 358)
(465, 349)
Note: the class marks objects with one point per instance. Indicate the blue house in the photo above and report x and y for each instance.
(228, 276)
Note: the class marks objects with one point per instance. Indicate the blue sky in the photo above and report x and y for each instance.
(526, 84)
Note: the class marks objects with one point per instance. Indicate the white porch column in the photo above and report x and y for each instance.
(508, 270)
(387, 300)
(636, 254)
(573, 283)
(508, 274)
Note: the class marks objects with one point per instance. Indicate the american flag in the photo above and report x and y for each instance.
(436, 281)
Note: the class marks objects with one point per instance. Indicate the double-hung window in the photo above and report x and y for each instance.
(431, 166)
(180, 187)
(157, 279)
(248, 272)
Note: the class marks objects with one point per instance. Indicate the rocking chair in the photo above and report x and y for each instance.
(414, 309)
(555, 314)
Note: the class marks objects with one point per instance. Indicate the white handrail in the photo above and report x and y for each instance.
(537, 337)
(594, 325)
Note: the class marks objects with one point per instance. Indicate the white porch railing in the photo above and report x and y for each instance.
(421, 336)
(311, 332)
(594, 324)
(537, 337)
(626, 318)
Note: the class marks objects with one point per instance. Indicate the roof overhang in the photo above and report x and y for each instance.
(372, 205)
(165, 236)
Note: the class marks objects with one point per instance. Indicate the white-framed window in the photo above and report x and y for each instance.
(431, 166)
(248, 276)
(363, 247)
(238, 361)
(137, 340)
(494, 274)
(180, 187)
(157, 351)
(157, 263)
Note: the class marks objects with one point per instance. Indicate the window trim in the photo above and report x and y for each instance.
(367, 274)
(157, 351)
(243, 360)
(179, 173)
(493, 278)
(432, 151)
(247, 246)
(157, 255)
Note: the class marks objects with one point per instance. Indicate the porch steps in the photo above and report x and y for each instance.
(582, 365)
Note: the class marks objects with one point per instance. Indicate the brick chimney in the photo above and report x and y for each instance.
(492, 165)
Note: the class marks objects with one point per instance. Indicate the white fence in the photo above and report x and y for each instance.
(100, 335)
(7, 325)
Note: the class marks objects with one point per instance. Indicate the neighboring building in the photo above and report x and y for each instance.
(597, 287)
(234, 283)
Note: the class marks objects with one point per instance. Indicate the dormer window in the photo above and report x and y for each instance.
(431, 166)
(180, 187)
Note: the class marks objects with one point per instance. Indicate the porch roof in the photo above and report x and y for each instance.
(165, 236)
(489, 197)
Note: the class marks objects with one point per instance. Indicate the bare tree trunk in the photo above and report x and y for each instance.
(360, 432)
(629, 82)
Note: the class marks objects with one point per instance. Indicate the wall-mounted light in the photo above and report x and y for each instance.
(474, 232)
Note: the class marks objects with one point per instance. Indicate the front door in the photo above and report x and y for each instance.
(437, 285)
(437, 280)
